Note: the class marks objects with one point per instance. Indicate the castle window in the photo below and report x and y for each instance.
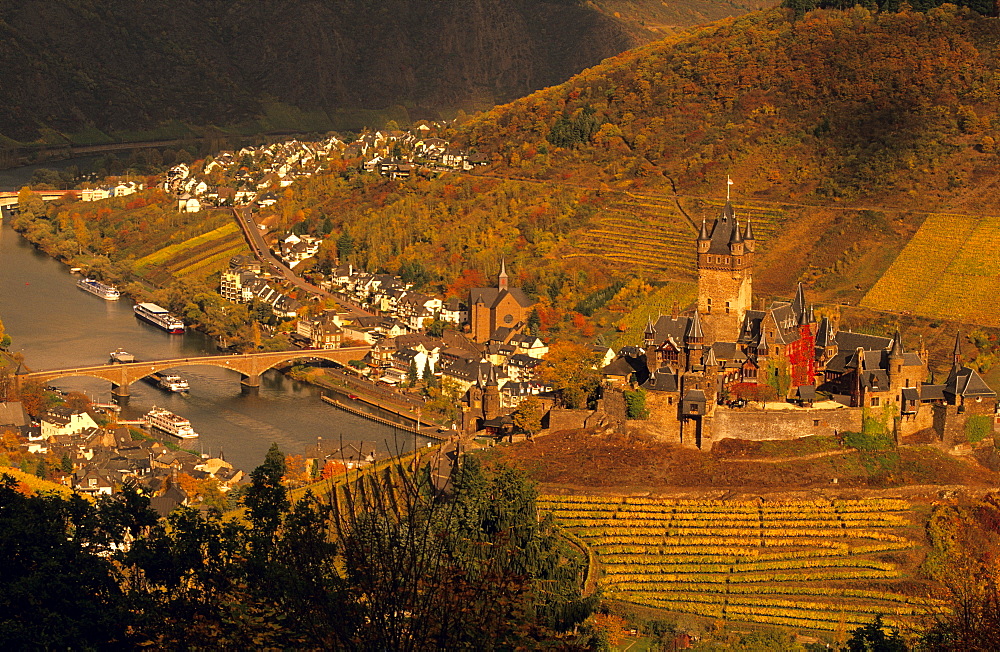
(739, 261)
(815, 422)
(709, 306)
(727, 307)
(874, 401)
(670, 400)
(727, 260)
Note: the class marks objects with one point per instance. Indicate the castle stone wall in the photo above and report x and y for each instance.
(563, 419)
(759, 425)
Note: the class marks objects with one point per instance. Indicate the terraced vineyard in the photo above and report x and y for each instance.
(650, 235)
(660, 302)
(816, 564)
(647, 234)
(945, 271)
(198, 256)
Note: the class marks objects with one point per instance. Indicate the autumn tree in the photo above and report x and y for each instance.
(528, 416)
(571, 370)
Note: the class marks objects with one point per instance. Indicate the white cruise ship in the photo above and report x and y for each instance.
(102, 290)
(170, 423)
(173, 383)
(158, 316)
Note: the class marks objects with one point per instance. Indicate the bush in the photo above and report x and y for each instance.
(978, 427)
(869, 441)
(635, 404)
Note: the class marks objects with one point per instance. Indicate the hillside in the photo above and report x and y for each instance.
(84, 70)
(838, 105)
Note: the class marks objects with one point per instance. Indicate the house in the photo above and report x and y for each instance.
(321, 332)
(64, 420)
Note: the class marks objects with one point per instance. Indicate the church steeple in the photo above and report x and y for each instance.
(956, 355)
(502, 279)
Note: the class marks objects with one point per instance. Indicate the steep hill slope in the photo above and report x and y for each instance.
(89, 66)
(839, 104)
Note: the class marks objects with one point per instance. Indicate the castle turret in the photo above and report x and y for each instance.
(895, 362)
(491, 396)
(649, 336)
(704, 239)
(748, 240)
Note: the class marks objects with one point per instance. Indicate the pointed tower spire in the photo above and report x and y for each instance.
(799, 304)
(896, 350)
(694, 332)
(762, 342)
(502, 279)
(703, 233)
(711, 362)
(649, 335)
(736, 237)
(956, 356)
(748, 234)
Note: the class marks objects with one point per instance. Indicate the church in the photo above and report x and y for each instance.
(727, 370)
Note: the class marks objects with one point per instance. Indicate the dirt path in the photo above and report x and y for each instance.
(777, 460)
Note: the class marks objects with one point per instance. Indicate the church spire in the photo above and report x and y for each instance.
(956, 356)
(502, 279)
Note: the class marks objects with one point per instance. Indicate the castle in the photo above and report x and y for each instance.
(707, 373)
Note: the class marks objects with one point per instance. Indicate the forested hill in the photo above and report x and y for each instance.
(839, 103)
(110, 65)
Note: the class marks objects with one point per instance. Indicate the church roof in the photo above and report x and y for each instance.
(493, 296)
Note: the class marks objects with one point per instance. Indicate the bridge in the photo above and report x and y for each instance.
(249, 365)
(10, 198)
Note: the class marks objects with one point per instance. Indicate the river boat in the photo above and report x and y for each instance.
(121, 356)
(102, 290)
(173, 383)
(158, 316)
(170, 423)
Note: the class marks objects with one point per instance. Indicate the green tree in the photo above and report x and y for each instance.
(4, 337)
(266, 498)
(635, 404)
(873, 638)
(66, 463)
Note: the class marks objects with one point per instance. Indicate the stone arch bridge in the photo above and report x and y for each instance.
(249, 365)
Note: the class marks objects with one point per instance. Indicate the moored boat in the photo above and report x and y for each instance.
(121, 356)
(158, 316)
(170, 423)
(102, 290)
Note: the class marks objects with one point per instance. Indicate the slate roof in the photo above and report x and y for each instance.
(724, 230)
(492, 296)
(662, 380)
(967, 382)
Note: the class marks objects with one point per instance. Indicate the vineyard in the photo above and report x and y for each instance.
(198, 256)
(817, 564)
(944, 271)
(661, 301)
(650, 235)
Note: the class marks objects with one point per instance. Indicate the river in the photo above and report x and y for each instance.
(56, 325)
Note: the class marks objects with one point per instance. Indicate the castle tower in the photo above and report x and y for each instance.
(694, 346)
(491, 396)
(725, 270)
(895, 360)
(649, 336)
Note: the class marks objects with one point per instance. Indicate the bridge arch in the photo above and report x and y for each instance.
(249, 365)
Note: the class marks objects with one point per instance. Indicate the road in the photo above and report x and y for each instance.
(254, 238)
